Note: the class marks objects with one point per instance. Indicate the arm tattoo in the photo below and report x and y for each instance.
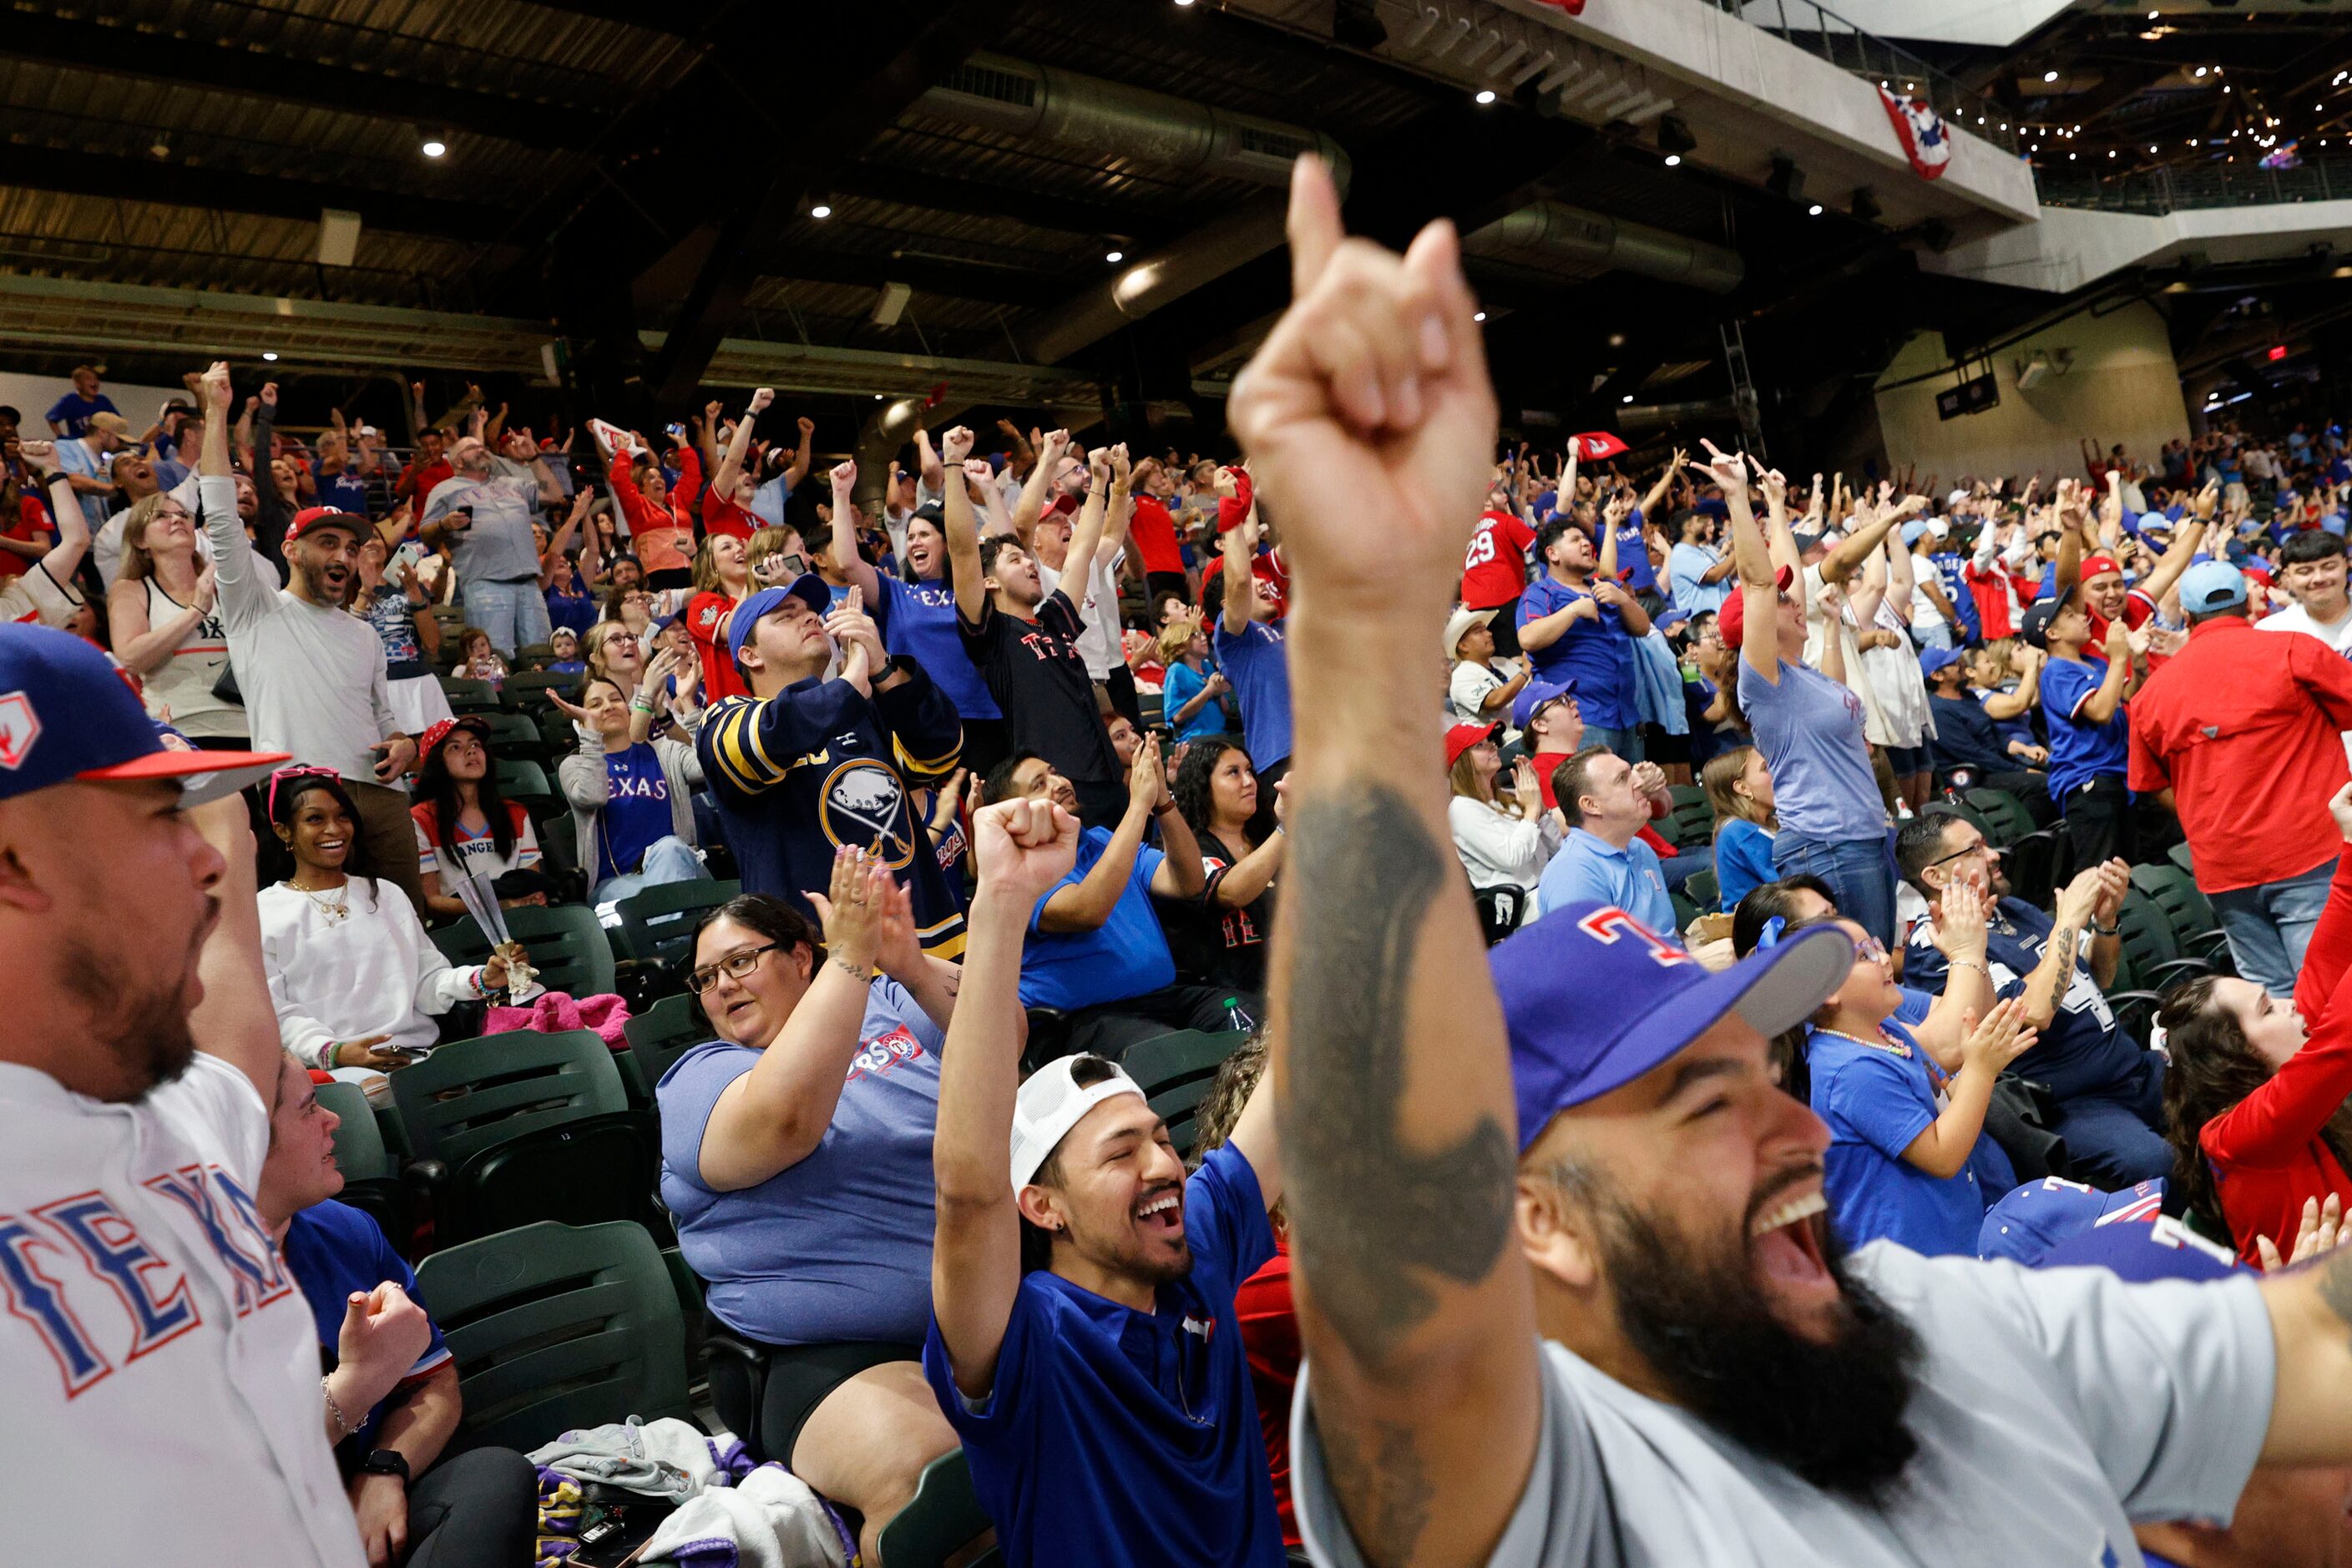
(1370, 1213)
(2062, 943)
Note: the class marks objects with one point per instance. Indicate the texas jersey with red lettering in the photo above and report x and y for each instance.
(162, 1366)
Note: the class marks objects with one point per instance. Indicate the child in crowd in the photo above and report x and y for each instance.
(567, 660)
(1739, 787)
(477, 660)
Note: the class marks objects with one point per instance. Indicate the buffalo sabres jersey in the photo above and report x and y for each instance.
(818, 765)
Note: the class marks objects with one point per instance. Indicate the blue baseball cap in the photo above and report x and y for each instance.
(1671, 617)
(1534, 695)
(1932, 659)
(2139, 1253)
(2211, 585)
(69, 711)
(2024, 1226)
(1592, 999)
(808, 588)
(1914, 530)
(2153, 521)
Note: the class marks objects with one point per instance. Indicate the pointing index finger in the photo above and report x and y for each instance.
(1313, 223)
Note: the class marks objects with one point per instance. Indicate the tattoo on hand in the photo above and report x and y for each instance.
(1373, 1213)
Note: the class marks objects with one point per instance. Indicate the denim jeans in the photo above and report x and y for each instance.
(1626, 743)
(514, 614)
(1860, 874)
(2269, 925)
(668, 859)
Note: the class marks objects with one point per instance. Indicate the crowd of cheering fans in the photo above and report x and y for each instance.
(1835, 861)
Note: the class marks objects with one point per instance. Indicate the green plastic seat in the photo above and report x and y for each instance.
(2148, 938)
(1184, 1057)
(1702, 889)
(469, 1095)
(2179, 855)
(469, 696)
(566, 944)
(2004, 817)
(555, 1327)
(2194, 925)
(658, 924)
(943, 1517)
(1692, 821)
(526, 689)
(665, 1032)
(513, 735)
(359, 1152)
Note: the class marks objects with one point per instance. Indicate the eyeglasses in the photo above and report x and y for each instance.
(1982, 845)
(1869, 949)
(735, 965)
(288, 776)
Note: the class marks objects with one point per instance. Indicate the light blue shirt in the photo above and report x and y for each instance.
(1586, 867)
(1685, 565)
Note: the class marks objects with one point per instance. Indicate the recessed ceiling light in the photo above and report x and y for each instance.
(1813, 211)
(269, 353)
(1485, 95)
(1115, 257)
(433, 147)
(1616, 340)
(821, 210)
(1674, 160)
(1628, 397)
(2049, 76)
(2201, 71)
(1478, 316)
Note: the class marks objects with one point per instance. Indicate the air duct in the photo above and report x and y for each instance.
(1643, 419)
(1111, 120)
(1549, 233)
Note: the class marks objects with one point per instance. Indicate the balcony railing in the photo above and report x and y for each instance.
(1824, 34)
(2227, 184)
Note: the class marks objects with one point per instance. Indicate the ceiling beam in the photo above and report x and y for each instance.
(267, 195)
(973, 198)
(988, 284)
(48, 38)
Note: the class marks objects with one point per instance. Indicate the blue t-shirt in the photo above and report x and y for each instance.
(838, 1245)
(1743, 860)
(2082, 1050)
(1112, 1438)
(1596, 654)
(1686, 564)
(1951, 568)
(73, 411)
(636, 810)
(2079, 751)
(1634, 568)
(1587, 870)
(919, 621)
(1182, 684)
(334, 1249)
(344, 491)
(1811, 729)
(1125, 956)
(1876, 1100)
(1254, 662)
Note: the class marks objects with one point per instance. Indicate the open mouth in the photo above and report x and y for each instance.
(1787, 1242)
(1162, 1215)
(333, 846)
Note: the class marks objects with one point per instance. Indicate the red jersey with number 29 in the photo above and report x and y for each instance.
(1494, 571)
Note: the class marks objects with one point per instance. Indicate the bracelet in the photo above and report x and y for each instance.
(342, 1422)
(2114, 930)
(641, 704)
(1968, 964)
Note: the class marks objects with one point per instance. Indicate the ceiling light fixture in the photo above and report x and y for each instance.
(269, 353)
(1485, 95)
(1674, 160)
(2049, 76)
(1628, 397)
(821, 210)
(433, 147)
(1478, 316)
(1813, 211)
(2201, 71)
(1114, 257)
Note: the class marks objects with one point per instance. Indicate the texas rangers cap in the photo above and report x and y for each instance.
(313, 518)
(2099, 566)
(808, 588)
(1462, 737)
(1932, 659)
(1533, 697)
(1050, 1103)
(1731, 621)
(2035, 626)
(1592, 999)
(2024, 1226)
(2139, 1253)
(441, 729)
(68, 712)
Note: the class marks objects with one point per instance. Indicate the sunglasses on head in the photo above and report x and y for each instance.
(291, 777)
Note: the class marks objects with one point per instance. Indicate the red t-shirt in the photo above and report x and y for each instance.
(431, 474)
(1154, 533)
(1495, 569)
(1547, 763)
(704, 615)
(31, 524)
(2248, 736)
(1270, 1340)
(722, 515)
(1268, 568)
(2137, 608)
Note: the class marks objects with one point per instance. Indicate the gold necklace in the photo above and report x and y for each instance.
(335, 909)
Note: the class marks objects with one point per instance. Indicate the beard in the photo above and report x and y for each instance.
(138, 1018)
(1832, 1413)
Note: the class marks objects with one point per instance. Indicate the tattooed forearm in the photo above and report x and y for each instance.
(1368, 1212)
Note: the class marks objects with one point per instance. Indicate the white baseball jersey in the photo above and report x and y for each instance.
(160, 1364)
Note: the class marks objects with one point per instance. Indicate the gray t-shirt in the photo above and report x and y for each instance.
(1810, 729)
(498, 547)
(2053, 1409)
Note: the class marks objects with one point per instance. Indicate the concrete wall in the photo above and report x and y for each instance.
(31, 395)
(1993, 23)
(2123, 387)
(2071, 246)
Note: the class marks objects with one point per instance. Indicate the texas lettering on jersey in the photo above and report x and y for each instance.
(157, 1307)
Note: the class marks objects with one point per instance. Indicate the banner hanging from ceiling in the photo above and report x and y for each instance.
(1921, 130)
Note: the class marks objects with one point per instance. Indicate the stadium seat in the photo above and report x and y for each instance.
(2157, 961)
(555, 1327)
(943, 1519)
(566, 944)
(657, 925)
(2038, 864)
(469, 696)
(665, 1032)
(1703, 889)
(2179, 855)
(2194, 925)
(2004, 816)
(1685, 910)
(371, 1172)
(515, 735)
(526, 689)
(1179, 1059)
(1692, 821)
(526, 1126)
(1500, 909)
(533, 654)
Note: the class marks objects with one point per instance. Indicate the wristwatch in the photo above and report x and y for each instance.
(386, 1462)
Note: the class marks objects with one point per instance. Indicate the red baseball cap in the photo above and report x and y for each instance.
(2097, 566)
(317, 517)
(1731, 620)
(441, 729)
(1462, 737)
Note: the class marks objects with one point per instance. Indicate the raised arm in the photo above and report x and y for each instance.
(729, 466)
(1087, 535)
(847, 560)
(1021, 847)
(1855, 548)
(1087, 902)
(1368, 414)
(1759, 602)
(963, 529)
(1032, 504)
(798, 468)
(1236, 549)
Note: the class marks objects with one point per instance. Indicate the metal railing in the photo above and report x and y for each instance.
(1825, 35)
(2228, 185)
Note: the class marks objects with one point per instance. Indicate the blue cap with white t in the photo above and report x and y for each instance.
(808, 588)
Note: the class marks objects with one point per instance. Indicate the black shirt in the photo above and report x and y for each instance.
(1215, 945)
(1967, 737)
(1040, 683)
